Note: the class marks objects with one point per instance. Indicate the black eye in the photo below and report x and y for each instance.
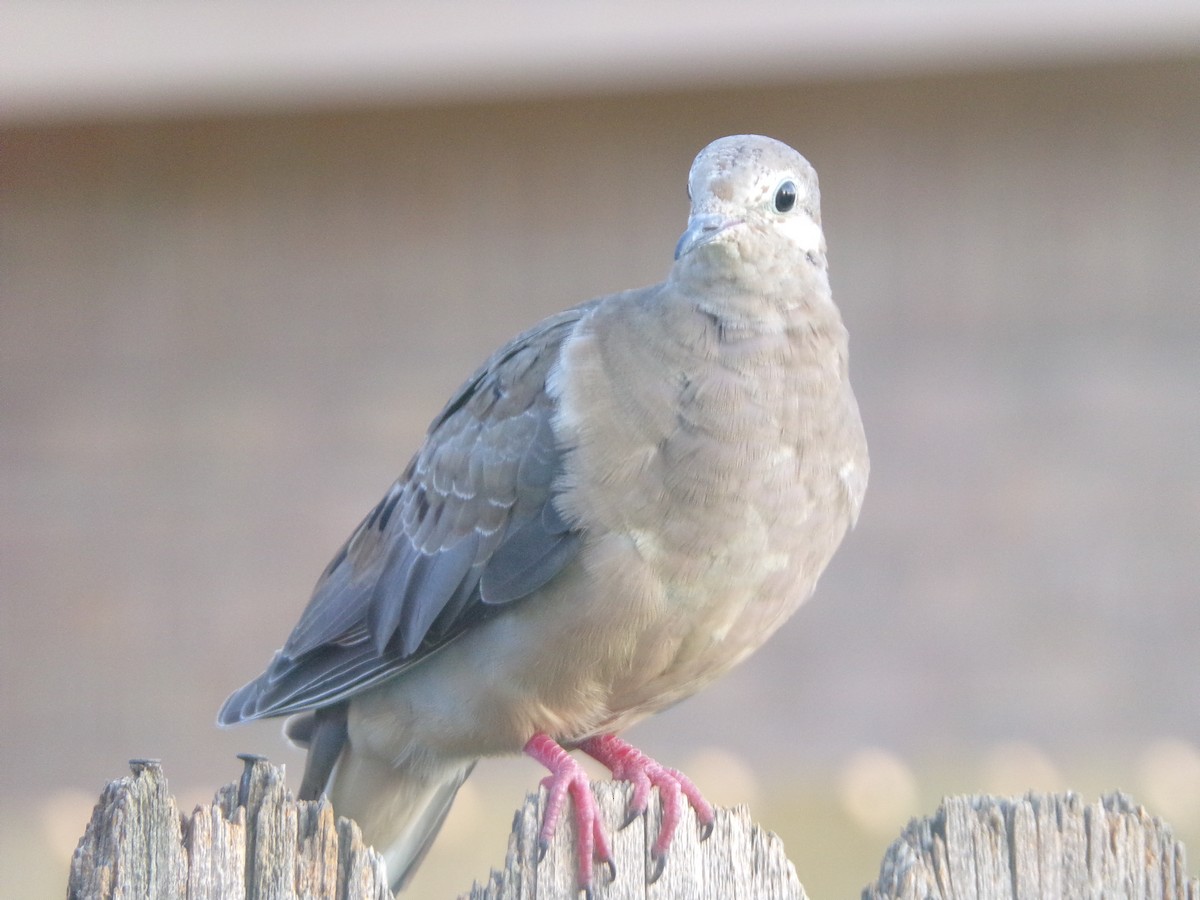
(785, 196)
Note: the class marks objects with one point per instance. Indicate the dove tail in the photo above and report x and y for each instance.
(400, 810)
(323, 734)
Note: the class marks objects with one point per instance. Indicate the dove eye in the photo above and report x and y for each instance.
(785, 196)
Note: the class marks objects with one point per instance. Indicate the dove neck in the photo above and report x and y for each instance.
(775, 289)
(803, 303)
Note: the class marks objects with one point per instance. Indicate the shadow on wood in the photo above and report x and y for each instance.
(255, 841)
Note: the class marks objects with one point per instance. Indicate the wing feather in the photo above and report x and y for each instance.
(470, 526)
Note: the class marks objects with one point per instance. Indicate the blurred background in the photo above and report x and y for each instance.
(248, 249)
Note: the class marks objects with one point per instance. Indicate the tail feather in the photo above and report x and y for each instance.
(323, 733)
(400, 810)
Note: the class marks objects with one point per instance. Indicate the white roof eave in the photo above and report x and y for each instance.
(69, 59)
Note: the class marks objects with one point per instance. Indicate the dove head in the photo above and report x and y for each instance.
(755, 205)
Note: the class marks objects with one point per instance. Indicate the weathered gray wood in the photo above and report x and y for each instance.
(738, 859)
(133, 846)
(253, 842)
(1036, 846)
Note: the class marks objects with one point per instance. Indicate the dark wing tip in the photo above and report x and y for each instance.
(240, 706)
(252, 700)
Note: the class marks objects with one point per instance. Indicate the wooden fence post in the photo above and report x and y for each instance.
(254, 841)
(737, 860)
(1036, 846)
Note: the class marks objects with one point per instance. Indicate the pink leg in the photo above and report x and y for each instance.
(567, 776)
(627, 763)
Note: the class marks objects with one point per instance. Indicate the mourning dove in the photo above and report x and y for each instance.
(619, 506)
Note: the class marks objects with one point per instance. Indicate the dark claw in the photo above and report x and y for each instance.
(612, 870)
(706, 829)
(631, 816)
(543, 846)
(588, 893)
(660, 863)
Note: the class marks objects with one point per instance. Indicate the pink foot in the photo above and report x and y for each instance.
(627, 763)
(567, 776)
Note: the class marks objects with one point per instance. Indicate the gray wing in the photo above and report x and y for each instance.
(469, 527)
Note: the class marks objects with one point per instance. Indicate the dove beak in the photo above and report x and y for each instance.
(701, 229)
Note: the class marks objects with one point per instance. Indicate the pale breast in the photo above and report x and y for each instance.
(724, 467)
(713, 475)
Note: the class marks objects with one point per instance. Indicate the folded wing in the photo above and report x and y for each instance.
(470, 526)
